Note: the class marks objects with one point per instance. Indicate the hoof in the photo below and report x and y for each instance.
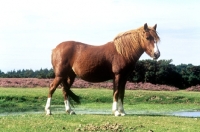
(116, 113)
(123, 114)
(48, 112)
(119, 113)
(71, 112)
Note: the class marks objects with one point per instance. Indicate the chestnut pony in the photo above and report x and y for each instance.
(114, 60)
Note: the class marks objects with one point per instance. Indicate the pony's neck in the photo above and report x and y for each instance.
(128, 44)
(137, 46)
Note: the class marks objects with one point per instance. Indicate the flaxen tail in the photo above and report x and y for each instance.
(74, 96)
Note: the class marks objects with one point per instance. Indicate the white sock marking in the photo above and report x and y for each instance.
(47, 107)
(120, 105)
(121, 108)
(67, 105)
(114, 106)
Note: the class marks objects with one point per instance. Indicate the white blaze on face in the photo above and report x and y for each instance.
(156, 50)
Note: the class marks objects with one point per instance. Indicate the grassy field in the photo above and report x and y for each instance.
(63, 122)
(140, 106)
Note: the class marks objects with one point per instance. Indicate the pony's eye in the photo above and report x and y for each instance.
(149, 38)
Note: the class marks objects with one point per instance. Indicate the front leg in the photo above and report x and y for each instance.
(118, 96)
(117, 108)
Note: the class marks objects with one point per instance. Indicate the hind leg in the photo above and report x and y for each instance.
(66, 86)
(52, 89)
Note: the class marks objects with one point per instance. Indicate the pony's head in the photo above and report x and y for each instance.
(133, 43)
(149, 41)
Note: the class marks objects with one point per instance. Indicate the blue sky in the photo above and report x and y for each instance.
(30, 29)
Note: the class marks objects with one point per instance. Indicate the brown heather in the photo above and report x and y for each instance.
(78, 83)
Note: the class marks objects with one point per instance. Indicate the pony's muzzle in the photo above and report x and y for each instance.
(156, 55)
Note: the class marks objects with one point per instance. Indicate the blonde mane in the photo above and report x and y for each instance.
(128, 44)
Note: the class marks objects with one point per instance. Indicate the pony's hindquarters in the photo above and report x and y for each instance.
(64, 74)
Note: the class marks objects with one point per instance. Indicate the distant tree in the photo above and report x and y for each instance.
(167, 74)
(150, 71)
(138, 73)
(190, 74)
(50, 74)
(44, 73)
(19, 73)
(41, 73)
(29, 73)
(2, 74)
(156, 72)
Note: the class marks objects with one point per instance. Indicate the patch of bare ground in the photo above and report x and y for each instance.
(78, 83)
(106, 127)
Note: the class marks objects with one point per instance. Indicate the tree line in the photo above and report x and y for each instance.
(28, 73)
(156, 72)
(163, 72)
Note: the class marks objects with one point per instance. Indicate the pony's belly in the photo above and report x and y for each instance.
(95, 79)
(89, 75)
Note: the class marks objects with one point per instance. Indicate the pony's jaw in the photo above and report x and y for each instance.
(155, 55)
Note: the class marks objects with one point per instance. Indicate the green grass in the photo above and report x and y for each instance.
(34, 99)
(139, 105)
(64, 122)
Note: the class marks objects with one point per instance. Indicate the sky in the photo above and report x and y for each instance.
(30, 29)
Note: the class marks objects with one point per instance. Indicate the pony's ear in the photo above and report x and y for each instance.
(145, 27)
(155, 26)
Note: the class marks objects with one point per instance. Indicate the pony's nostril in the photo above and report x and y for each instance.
(157, 55)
